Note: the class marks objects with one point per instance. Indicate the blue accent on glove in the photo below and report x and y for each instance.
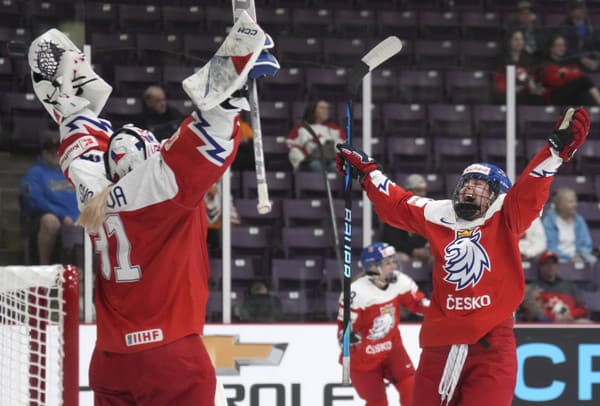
(265, 65)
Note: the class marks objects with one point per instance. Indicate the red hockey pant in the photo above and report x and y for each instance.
(179, 373)
(488, 376)
(397, 368)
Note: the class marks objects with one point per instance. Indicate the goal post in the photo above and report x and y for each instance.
(39, 335)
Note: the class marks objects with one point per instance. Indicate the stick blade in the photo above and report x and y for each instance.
(382, 52)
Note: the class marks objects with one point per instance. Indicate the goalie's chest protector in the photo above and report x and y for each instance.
(478, 278)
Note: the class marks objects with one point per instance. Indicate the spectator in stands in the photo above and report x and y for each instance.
(560, 298)
(528, 89)
(525, 20)
(567, 232)
(565, 81)
(260, 305)
(312, 142)
(157, 116)
(533, 243)
(244, 160)
(48, 201)
(410, 246)
(582, 40)
(532, 307)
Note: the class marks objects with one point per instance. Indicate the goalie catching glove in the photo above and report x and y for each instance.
(570, 132)
(360, 163)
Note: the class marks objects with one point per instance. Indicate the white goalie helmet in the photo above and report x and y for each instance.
(128, 147)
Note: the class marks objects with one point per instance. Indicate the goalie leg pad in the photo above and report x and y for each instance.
(227, 71)
(62, 77)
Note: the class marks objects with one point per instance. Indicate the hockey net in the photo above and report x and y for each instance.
(39, 331)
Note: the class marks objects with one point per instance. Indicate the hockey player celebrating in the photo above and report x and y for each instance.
(469, 350)
(376, 350)
(143, 209)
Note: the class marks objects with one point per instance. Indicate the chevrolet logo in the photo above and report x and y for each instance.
(228, 354)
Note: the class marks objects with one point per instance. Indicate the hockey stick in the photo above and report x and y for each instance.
(336, 238)
(375, 57)
(264, 204)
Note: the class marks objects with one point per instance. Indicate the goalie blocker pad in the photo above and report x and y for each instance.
(227, 71)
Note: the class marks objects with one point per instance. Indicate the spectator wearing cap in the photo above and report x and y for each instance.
(566, 230)
(525, 20)
(48, 201)
(560, 298)
(409, 246)
(582, 39)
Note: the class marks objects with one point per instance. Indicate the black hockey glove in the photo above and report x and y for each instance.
(570, 132)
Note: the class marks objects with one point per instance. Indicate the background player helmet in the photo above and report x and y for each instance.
(372, 256)
(128, 147)
(496, 179)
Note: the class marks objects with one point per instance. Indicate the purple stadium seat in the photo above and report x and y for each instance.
(581, 274)
(297, 274)
(581, 184)
(139, 18)
(158, 49)
(404, 120)
(24, 104)
(358, 119)
(11, 14)
(183, 19)
(276, 152)
(298, 108)
(450, 120)
(184, 106)
(590, 212)
(298, 306)
(287, 85)
(489, 120)
(309, 22)
(311, 185)
(279, 183)
(243, 273)
(100, 17)
(306, 212)
(295, 51)
(384, 85)
(332, 305)
(436, 187)
(347, 23)
(26, 134)
(122, 110)
(249, 215)
(536, 121)
(436, 53)
(218, 20)
(419, 271)
(357, 211)
(420, 86)
(479, 54)
(493, 151)
(214, 306)
(454, 154)
(482, 26)
(464, 86)
(400, 23)
(409, 154)
(587, 157)
(113, 48)
(306, 241)
(7, 79)
(131, 81)
(199, 48)
(439, 25)
(343, 51)
(328, 84)
(252, 241)
(275, 118)
(276, 20)
(172, 76)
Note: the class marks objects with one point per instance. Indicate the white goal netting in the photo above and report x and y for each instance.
(39, 321)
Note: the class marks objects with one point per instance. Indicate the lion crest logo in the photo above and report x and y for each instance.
(465, 259)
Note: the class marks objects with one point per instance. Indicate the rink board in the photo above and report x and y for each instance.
(297, 364)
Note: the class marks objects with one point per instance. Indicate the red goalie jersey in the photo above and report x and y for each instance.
(477, 279)
(375, 317)
(152, 281)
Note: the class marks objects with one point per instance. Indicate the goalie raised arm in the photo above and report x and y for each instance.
(477, 275)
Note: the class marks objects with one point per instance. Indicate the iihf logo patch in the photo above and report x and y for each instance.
(465, 259)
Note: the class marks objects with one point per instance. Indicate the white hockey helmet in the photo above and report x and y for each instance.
(128, 147)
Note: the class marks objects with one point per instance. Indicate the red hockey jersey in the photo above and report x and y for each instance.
(152, 281)
(477, 277)
(375, 317)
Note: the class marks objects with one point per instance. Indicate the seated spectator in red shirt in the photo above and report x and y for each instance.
(528, 89)
(564, 79)
(532, 309)
(561, 300)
